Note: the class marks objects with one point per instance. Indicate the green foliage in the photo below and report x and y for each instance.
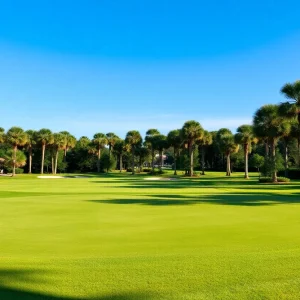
(226, 142)
(16, 136)
(191, 132)
(107, 163)
(270, 179)
(270, 165)
(257, 161)
(19, 159)
(44, 137)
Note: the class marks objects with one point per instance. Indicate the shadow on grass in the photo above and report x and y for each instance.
(240, 199)
(12, 276)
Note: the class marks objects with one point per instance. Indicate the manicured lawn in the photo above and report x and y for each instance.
(122, 237)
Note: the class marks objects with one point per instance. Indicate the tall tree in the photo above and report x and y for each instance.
(58, 144)
(119, 149)
(150, 139)
(227, 145)
(245, 137)
(174, 140)
(286, 138)
(134, 140)
(295, 133)
(15, 159)
(44, 137)
(16, 137)
(99, 140)
(191, 132)
(31, 141)
(204, 142)
(291, 108)
(69, 142)
(267, 122)
(111, 141)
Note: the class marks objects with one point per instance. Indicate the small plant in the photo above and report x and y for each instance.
(269, 179)
(283, 179)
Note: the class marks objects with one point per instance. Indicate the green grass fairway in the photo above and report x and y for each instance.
(122, 237)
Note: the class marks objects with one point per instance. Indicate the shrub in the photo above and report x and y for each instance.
(283, 179)
(147, 170)
(18, 170)
(269, 179)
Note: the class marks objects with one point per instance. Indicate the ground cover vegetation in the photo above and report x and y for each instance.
(117, 236)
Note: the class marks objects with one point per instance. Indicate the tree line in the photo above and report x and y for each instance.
(272, 142)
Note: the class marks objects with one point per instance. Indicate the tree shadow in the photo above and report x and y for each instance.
(238, 199)
(10, 276)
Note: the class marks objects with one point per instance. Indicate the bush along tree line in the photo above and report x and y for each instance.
(270, 146)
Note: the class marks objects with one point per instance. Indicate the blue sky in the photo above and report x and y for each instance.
(100, 66)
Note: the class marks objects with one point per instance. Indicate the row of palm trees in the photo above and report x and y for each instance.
(270, 123)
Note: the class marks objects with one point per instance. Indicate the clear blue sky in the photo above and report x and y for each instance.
(99, 66)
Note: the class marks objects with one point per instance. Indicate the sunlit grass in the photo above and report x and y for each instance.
(119, 236)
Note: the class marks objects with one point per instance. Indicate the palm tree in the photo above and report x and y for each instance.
(111, 141)
(227, 145)
(16, 137)
(291, 108)
(295, 133)
(99, 140)
(205, 141)
(59, 143)
(286, 138)
(15, 159)
(174, 140)
(134, 139)
(245, 137)
(191, 132)
(119, 149)
(150, 136)
(31, 141)
(44, 137)
(268, 123)
(69, 142)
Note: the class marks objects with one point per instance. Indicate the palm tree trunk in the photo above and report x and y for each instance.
(161, 160)
(14, 160)
(52, 163)
(274, 173)
(30, 160)
(191, 160)
(202, 160)
(286, 159)
(266, 149)
(98, 161)
(228, 171)
(175, 165)
(246, 150)
(43, 158)
(56, 160)
(121, 163)
(132, 161)
(65, 154)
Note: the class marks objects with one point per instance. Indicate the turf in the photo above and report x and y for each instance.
(122, 237)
